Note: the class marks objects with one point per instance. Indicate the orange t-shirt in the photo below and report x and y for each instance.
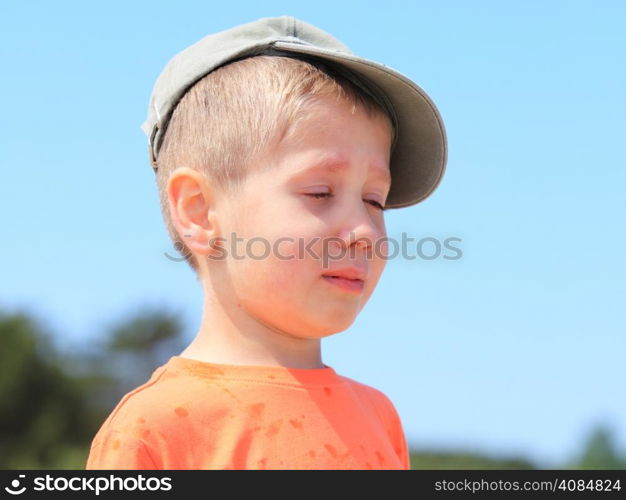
(197, 415)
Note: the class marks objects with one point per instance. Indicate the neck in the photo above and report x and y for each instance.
(233, 336)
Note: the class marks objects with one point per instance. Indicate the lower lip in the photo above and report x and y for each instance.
(355, 286)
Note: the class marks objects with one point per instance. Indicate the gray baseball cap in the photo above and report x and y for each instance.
(419, 154)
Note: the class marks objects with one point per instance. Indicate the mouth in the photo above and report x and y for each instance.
(345, 284)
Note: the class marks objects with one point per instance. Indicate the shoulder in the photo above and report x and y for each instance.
(376, 398)
(154, 425)
(119, 442)
(137, 401)
(382, 406)
(161, 403)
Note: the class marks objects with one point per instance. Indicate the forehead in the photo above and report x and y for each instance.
(327, 110)
(338, 164)
(331, 136)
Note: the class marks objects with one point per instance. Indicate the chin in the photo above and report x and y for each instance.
(325, 329)
(336, 327)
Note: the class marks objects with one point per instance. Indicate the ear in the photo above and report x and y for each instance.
(192, 209)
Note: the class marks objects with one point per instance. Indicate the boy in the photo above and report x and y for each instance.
(276, 151)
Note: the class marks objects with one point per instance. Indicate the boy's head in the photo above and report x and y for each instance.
(295, 156)
(235, 115)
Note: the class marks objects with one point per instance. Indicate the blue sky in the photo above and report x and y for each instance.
(516, 348)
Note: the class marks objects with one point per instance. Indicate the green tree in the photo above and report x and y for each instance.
(52, 403)
(131, 349)
(44, 414)
(463, 460)
(599, 451)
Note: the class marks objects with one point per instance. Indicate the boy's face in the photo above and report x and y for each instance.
(287, 289)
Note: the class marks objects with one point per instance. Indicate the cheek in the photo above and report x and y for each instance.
(270, 280)
(376, 264)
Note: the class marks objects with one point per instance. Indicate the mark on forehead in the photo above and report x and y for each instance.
(332, 163)
(339, 164)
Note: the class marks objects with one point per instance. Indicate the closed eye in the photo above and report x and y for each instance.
(319, 196)
(376, 204)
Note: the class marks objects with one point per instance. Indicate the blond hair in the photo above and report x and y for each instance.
(235, 112)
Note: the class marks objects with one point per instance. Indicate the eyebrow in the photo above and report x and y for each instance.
(331, 164)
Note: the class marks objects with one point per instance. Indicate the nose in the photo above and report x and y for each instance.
(361, 226)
